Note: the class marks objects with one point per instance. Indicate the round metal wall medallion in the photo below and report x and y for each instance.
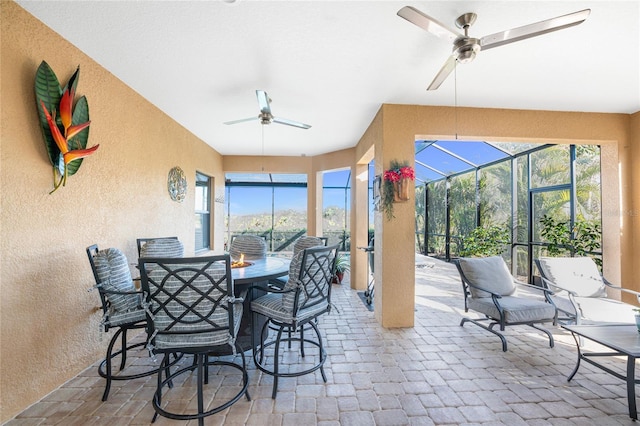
(177, 184)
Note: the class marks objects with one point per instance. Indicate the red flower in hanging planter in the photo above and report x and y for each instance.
(397, 173)
(391, 176)
(407, 172)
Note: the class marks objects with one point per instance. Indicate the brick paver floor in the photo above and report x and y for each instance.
(436, 373)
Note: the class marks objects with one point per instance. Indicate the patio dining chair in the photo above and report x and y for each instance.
(121, 310)
(490, 290)
(304, 242)
(191, 309)
(292, 312)
(582, 294)
(251, 246)
(160, 247)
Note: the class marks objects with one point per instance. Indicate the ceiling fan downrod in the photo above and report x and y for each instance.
(466, 48)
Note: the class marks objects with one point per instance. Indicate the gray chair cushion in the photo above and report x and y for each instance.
(516, 309)
(114, 274)
(127, 317)
(576, 274)
(252, 246)
(162, 247)
(166, 341)
(490, 273)
(305, 242)
(272, 305)
(312, 270)
(292, 282)
(300, 245)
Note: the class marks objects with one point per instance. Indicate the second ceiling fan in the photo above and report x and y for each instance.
(265, 116)
(465, 48)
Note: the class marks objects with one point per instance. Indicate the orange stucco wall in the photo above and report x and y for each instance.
(49, 322)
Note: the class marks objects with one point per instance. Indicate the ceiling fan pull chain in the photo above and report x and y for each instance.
(262, 156)
(455, 97)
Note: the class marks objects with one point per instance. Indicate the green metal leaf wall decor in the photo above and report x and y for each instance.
(65, 127)
(48, 91)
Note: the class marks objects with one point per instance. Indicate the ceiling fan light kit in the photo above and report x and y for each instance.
(466, 48)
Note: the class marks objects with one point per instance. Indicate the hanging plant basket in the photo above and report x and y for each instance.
(401, 190)
(396, 185)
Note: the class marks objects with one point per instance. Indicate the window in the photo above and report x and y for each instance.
(267, 204)
(336, 199)
(203, 212)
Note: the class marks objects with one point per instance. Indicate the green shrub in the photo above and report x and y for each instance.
(557, 234)
(489, 240)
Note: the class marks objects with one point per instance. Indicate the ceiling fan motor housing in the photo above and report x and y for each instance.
(265, 118)
(465, 49)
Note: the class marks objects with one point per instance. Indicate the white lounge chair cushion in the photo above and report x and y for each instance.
(490, 273)
(598, 309)
(579, 275)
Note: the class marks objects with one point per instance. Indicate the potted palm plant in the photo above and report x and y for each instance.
(342, 266)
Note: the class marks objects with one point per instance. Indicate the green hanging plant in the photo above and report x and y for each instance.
(65, 127)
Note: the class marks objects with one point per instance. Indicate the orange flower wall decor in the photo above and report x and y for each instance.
(65, 127)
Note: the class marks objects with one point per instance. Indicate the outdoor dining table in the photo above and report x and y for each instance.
(258, 271)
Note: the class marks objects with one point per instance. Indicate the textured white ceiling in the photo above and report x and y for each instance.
(332, 64)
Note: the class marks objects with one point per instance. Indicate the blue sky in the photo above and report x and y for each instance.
(252, 200)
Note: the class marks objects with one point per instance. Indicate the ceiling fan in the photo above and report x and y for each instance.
(265, 116)
(466, 48)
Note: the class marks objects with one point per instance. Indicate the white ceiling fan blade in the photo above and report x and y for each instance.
(291, 123)
(444, 72)
(242, 120)
(263, 101)
(427, 23)
(533, 30)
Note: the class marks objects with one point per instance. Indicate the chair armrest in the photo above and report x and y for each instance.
(236, 300)
(533, 287)
(270, 289)
(549, 282)
(621, 289)
(107, 292)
